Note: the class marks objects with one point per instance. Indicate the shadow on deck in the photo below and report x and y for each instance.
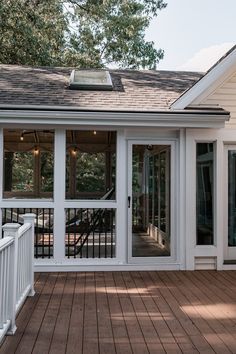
(128, 312)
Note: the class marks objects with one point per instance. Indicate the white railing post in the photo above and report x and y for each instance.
(29, 218)
(11, 230)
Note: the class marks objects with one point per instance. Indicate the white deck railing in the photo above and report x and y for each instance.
(16, 271)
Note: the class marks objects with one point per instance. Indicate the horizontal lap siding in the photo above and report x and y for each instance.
(225, 97)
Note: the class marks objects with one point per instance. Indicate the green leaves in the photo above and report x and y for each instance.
(81, 33)
(32, 32)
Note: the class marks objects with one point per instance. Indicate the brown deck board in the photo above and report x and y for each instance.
(128, 313)
(75, 331)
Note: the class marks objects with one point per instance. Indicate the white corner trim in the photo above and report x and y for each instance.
(208, 83)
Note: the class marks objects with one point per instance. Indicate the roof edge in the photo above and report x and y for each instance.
(40, 108)
(216, 75)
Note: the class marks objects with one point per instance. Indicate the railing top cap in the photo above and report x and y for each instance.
(10, 226)
(29, 215)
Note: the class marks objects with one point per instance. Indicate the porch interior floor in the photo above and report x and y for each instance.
(146, 246)
(128, 312)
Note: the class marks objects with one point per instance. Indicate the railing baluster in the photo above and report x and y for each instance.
(1, 290)
(90, 233)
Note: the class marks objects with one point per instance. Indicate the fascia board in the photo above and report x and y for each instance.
(208, 83)
(115, 119)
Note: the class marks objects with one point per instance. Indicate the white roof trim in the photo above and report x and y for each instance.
(208, 83)
(191, 119)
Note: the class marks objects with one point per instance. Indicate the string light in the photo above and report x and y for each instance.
(36, 150)
(22, 136)
(74, 151)
(94, 132)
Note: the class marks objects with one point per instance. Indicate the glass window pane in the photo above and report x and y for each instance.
(90, 164)
(163, 191)
(28, 163)
(232, 198)
(204, 197)
(47, 171)
(151, 201)
(19, 171)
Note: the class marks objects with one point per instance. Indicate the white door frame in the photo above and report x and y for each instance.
(174, 182)
(229, 252)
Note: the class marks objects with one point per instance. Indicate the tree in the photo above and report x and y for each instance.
(32, 32)
(82, 33)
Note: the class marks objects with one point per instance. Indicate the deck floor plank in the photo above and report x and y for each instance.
(211, 330)
(129, 313)
(11, 343)
(90, 329)
(120, 332)
(59, 338)
(75, 332)
(218, 304)
(27, 342)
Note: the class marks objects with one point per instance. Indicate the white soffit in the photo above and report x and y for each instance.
(208, 83)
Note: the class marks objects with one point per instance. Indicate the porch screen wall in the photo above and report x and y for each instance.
(90, 178)
(28, 163)
(90, 164)
(151, 200)
(43, 227)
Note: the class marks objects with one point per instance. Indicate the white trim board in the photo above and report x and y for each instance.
(208, 83)
(113, 120)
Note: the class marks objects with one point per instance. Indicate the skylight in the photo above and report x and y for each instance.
(90, 80)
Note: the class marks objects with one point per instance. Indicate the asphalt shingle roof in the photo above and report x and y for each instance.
(133, 90)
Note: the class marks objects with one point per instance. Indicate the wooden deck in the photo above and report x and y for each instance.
(128, 312)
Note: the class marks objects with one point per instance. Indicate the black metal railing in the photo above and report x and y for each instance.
(90, 233)
(43, 241)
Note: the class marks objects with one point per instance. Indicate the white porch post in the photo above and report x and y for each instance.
(181, 217)
(29, 218)
(190, 226)
(121, 196)
(219, 212)
(11, 230)
(59, 195)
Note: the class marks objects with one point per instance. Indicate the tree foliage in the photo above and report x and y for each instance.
(32, 32)
(82, 33)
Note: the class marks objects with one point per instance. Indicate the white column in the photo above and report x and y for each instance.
(190, 226)
(219, 207)
(29, 218)
(181, 191)
(121, 197)
(59, 195)
(11, 230)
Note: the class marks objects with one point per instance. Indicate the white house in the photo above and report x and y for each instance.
(124, 170)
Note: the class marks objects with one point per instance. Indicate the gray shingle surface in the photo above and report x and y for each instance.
(133, 90)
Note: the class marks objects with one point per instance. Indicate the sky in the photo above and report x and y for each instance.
(193, 33)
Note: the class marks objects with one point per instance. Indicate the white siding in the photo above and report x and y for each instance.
(225, 97)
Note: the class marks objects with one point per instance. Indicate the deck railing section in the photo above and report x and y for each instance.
(90, 233)
(43, 240)
(16, 271)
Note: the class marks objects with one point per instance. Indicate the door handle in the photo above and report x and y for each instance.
(129, 199)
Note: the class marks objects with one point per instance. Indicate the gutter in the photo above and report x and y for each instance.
(66, 116)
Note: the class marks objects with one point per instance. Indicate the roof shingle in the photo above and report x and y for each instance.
(133, 90)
